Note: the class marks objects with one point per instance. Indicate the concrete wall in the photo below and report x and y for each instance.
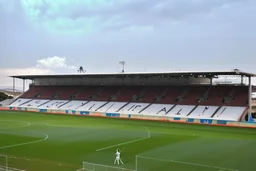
(137, 117)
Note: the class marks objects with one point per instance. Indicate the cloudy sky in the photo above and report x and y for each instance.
(56, 36)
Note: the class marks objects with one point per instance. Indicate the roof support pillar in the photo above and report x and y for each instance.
(250, 99)
(13, 84)
(24, 85)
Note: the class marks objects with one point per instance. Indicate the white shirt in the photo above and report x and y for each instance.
(117, 154)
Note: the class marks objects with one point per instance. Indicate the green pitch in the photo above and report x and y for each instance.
(41, 142)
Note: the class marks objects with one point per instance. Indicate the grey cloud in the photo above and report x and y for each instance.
(202, 42)
(153, 13)
(143, 12)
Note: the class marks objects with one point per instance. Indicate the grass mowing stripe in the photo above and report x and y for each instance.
(127, 142)
(188, 163)
(149, 123)
(72, 146)
(68, 126)
(26, 143)
(155, 132)
(27, 124)
(149, 132)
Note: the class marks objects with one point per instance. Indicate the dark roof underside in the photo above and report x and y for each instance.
(142, 74)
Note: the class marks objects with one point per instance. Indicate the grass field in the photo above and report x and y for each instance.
(41, 142)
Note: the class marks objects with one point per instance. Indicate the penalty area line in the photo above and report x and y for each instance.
(26, 143)
(201, 165)
(127, 142)
(22, 126)
(189, 163)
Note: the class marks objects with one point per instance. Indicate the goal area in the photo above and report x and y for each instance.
(143, 163)
(4, 164)
(100, 167)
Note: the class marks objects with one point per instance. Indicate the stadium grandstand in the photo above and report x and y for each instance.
(166, 94)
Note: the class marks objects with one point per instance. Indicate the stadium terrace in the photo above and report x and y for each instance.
(176, 95)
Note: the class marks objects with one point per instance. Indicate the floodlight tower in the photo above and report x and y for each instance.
(122, 63)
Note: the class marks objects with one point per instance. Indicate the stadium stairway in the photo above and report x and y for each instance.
(216, 111)
(206, 94)
(18, 102)
(129, 94)
(149, 100)
(203, 112)
(151, 93)
(145, 107)
(44, 103)
(134, 107)
(64, 104)
(114, 97)
(6, 102)
(229, 113)
(171, 108)
(34, 103)
(157, 109)
(171, 95)
(111, 107)
(102, 106)
(26, 102)
(124, 106)
(181, 110)
(73, 104)
(14, 101)
(232, 92)
(164, 92)
(91, 105)
(244, 113)
(82, 105)
(192, 110)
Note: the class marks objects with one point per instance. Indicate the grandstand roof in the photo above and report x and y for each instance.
(142, 74)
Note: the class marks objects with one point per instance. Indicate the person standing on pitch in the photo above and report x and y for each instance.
(118, 158)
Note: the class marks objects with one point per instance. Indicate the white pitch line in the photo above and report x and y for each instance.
(27, 124)
(201, 165)
(203, 129)
(188, 163)
(31, 142)
(157, 132)
(67, 126)
(127, 142)
(149, 132)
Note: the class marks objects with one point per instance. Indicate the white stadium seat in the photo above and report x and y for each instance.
(34, 103)
(203, 112)
(133, 108)
(73, 105)
(229, 113)
(19, 102)
(112, 107)
(91, 106)
(6, 102)
(53, 104)
(180, 111)
(157, 109)
(169, 110)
